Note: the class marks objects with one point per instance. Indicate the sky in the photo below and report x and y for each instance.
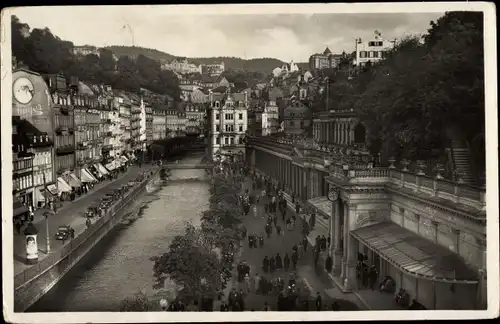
(285, 33)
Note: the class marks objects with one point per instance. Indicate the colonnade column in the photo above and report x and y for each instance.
(351, 133)
(351, 248)
(336, 235)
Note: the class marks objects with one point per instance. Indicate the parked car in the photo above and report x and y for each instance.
(63, 233)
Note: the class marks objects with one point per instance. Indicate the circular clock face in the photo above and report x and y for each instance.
(23, 90)
(333, 195)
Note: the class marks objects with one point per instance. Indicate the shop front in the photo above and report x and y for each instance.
(87, 179)
(73, 181)
(428, 273)
(26, 196)
(102, 169)
(64, 189)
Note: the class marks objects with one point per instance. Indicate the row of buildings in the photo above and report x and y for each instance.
(66, 133)
(183, 66)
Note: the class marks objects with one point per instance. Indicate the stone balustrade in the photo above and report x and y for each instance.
(351, 169)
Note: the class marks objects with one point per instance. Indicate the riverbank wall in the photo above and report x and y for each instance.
(34, 282)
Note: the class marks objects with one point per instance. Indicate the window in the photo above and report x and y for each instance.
(292, 123)
(240, 128)
(226, 140)
(216, 116)
(232, 140)
(217, 141)
(240, 116)
(301, 124)
(371, 53)
(362, 54)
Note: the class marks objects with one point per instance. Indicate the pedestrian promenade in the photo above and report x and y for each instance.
(313, 278)
(363, 297)
(71, 213)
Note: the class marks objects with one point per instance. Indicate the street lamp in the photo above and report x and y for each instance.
(46, 214)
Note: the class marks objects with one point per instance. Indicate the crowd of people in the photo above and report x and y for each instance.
(269, 280)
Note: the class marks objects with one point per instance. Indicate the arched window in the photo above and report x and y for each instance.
(359, 134)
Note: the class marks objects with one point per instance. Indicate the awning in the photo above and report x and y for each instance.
(75, 178)
(414, 254)
(39, 196)
(19, 207)
(322, 204)
(124, 159)
(71, 181)
(97, 171)
(102, 169)
(87, 176)
(110, 166)
(52, 188)
(63, 186)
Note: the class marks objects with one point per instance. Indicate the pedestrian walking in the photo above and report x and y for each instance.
(265, 264)
(319, 302)
(279, 262)
(300, 250)
(254, 210)
(304, 243)
(294, 260)
(261, 240)
(256, 282)
(278, 229)
(283, 212)
(286, 262)
(272, 264)
(247, 283)
(373, 274)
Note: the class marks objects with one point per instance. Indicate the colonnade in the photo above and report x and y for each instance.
(334, 131)
(304, 183)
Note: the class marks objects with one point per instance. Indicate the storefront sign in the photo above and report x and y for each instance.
(31, 248)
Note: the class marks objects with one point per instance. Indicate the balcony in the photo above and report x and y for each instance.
(135, 110)
(65, 149)
(82, 145)
(107, 147)
(135, 118)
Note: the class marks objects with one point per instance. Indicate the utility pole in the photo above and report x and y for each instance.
(46, 214)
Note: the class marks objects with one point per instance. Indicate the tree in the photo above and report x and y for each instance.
(192, 264)
(139, 302)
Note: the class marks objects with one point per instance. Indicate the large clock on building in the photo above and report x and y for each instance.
(333, 195)
(23, 90)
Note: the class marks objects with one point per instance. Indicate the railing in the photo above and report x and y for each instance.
(59, 254)
(356, 173)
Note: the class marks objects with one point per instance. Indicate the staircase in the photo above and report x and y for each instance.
(461, 159)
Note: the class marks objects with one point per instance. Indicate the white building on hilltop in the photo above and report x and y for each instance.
(373, 49)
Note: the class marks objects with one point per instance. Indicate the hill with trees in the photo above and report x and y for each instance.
(45, 53)
(264, 65)
(409, 100)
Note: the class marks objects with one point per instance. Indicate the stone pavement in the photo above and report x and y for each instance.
(71, 213)
(312, 278)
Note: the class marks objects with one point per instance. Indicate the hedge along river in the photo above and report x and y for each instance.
(119, 265)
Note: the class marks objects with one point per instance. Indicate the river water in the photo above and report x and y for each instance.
(119, 265)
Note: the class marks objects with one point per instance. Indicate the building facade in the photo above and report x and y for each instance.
(213, 69)
(297, 118)
(426, 233)
(229, 124)
(32, 110)
(372, 50)
(149, 122)
(194, 117)
(324, 60)
(270, 119)
(159, 122)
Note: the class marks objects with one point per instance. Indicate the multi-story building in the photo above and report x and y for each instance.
(149, 122)
(124, 106)
(229, 124)
(194, 117)
(85, 50)
(297, 118)
(32, 103)
(172, 122)
(182, 66)
(372, 50)
(87, 134)
(159, 121)
(213, 69)
(270, 119)
(135, 124)
(324, 60)
(22, 159)
(143, 128)
(181, 122)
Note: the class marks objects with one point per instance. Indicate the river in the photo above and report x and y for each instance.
(119, 265)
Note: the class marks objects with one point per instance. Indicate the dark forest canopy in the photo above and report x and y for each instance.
(43, 52)
(423, 88)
